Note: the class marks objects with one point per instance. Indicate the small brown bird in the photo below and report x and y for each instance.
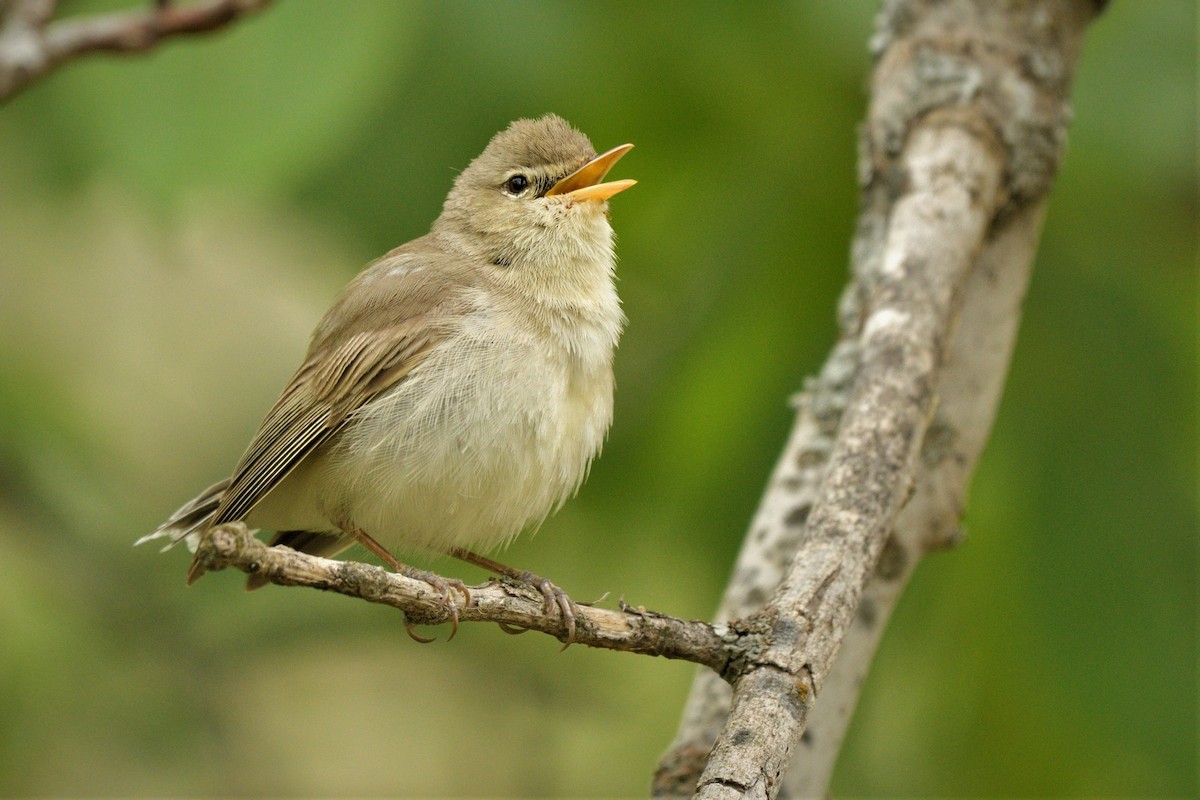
(458, 389)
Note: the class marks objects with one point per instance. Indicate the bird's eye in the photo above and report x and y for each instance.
(516, 184)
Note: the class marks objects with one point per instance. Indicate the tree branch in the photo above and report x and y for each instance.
(633, 630)
(32, 45)
(954, 168)
(968, 115)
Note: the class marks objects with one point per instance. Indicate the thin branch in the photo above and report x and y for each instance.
(633, 630)
(32, 44)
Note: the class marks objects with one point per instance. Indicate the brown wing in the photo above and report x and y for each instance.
(327, 388)
(380, 328)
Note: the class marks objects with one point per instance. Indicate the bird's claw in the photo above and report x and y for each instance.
(446, 588)
(555, 598)
(416, 637)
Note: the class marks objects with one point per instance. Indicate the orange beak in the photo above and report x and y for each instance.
(584, 183)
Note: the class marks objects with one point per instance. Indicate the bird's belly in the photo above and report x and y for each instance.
(442, 461)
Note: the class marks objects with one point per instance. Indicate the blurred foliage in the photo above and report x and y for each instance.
(172, 226)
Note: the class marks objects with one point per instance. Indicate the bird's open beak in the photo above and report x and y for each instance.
(584, 183)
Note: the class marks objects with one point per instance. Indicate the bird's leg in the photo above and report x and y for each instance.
(555, 597)
(440, 584)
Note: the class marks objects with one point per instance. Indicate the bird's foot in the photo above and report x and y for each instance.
(443, 586)
(446, 587)
(555, 598)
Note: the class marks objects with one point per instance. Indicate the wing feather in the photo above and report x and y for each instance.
(317, 401)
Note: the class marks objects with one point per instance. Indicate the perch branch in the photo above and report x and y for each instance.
(33, 44)
(514, 604)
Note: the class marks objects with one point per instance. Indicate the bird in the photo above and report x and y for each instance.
(458, 389)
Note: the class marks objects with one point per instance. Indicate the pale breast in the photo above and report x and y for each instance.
(488, 436)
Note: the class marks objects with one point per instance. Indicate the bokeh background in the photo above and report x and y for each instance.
(171, 227)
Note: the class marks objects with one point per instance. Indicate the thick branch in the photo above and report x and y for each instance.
(968, 394)
(32, 45)
(1002, 68)
(514, 604)
(954, 169)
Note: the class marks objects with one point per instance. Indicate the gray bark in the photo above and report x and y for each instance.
(963, 137)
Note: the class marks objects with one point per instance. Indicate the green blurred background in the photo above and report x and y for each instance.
(171, 228)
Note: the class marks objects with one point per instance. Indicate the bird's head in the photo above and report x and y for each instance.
(535, 198)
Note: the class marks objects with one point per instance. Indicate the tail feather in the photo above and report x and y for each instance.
(190, 520)
(195, 516)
